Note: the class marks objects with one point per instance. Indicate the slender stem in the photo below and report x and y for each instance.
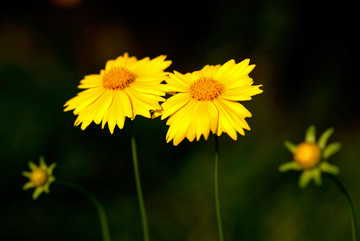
(216, 187)
(350, 204)
(97, 204)
(139, 191)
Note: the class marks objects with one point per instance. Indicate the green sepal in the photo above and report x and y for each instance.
(51, 168)
(26, 174)
(305, 178)
(331, 149)
(289, 166)
(28, 185)
(42, 163)
(310, 135)
(290, 146)
(37, 192)
(329, 168)
(324, 137)
(316, 174)
(32, 166)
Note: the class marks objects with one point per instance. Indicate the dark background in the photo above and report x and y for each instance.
(305, 56)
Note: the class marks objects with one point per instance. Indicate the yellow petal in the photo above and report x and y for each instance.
(231, 117)
(224, 70)
(142, 103)
(242, 93)
(119, 109)
(181, 122)
(174, 103)
(149, 87)
(178, 82)
(83, 99)
(101, 105)
(205, 118)
(91, 81)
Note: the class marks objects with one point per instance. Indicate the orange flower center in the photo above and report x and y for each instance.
(206, 89)
(38, 177)
(307, 155)
(117, 78)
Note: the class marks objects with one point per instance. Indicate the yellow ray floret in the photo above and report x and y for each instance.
(125, 88)
(206, 101)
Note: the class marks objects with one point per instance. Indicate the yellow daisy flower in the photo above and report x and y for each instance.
(125, 88)
(40, 177)
(207, 100)
(311, 157)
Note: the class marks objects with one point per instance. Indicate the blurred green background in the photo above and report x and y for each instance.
(304, 56)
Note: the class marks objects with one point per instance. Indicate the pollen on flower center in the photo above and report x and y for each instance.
(307, 155)
(117, 78)
(38, 177)
(206, 89)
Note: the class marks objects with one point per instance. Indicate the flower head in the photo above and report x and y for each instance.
(311, 157)
(40, 177)
(207, 100)
(125, 88)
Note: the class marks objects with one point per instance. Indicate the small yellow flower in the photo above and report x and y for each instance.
(40, 177)
(307, 155)
(310, 157)
(207, 101)
(125, 88)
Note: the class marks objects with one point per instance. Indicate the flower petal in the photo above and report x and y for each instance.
(83, 99)
(142, 103)
(91, 81)
(174, 103)
(118, 110)
(180, 123)
(241, 93)
(178, 82)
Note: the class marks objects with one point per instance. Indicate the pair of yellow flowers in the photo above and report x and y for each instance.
(200, 102)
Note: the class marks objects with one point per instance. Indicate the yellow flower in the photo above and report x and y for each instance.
(40, 177)
(310, 157)
(126, 88)
(207, 100)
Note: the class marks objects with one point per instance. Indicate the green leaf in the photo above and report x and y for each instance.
(290, 146)
(305, 178)
(329, 168)
(331, 149)
(324, 137)
(310, 135)
(289, 166)
(32, 165)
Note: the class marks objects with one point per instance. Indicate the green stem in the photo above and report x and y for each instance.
(139, 191)
(216, 187)
(350, 204)
(97, 204)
